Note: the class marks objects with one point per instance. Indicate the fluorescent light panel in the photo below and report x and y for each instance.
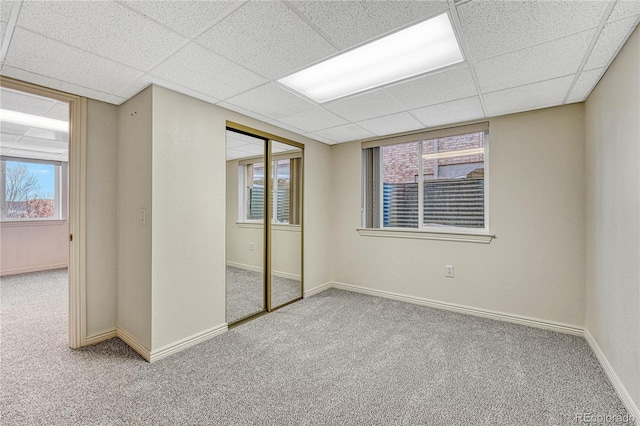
(418, 49)
(30, 120)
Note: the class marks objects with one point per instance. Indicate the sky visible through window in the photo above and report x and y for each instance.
(45, 175)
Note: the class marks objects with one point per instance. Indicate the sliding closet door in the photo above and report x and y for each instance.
(246, 209)
(286, 224)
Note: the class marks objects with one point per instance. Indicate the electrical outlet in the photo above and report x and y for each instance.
(143, 215)
(250, 246)
(448, 271)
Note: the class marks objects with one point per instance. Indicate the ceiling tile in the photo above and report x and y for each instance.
(450, 112)
(5, 10)
(346, 133)
(188, 18)
(448, 85)
(624, 8)
(272, 101)
(45, 57)
(48, 134)
(533, 96)
(36, 143)
(584, 85)
(349, 23)
(390, 124)
(543, 62)
(3, 28)
(364, 106)
(107, 29)
(207, 72)
(6, 138)
(497, 27)
(268, 38)
(60, 111)
(313, 119)
(243, 111)
(611, 38)
(25, 102)
(319, 138)
(12, 129)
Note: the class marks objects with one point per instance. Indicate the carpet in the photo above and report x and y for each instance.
(337, 358)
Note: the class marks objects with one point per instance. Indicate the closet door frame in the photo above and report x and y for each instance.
(267, 228)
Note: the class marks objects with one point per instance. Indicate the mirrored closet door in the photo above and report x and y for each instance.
(264, 263)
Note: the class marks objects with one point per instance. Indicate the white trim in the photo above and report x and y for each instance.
(187, 342)
(133, 343)
(260, 270)
(453, 307)
(31, 222)
(101, 337)
(34, 269)
(622, 392)
(318, 289)
(467, 237)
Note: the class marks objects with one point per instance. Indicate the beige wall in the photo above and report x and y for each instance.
(29, 246)
(101, 216)
(188, 217)
(534, 267)
(134, 238)
(613, 215)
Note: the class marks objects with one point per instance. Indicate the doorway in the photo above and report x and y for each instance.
(264, 223)
(44, 134)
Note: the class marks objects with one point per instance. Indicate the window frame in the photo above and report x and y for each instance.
(59, 193)
(376, 178)
(243, 190)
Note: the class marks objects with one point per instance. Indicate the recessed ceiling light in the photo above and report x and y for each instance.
(421, 48)
(30, 120)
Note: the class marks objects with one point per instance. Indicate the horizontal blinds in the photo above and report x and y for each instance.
(431, 134)
(400, 205)
(454, 202)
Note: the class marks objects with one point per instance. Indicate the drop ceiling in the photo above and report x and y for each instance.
(518, 56)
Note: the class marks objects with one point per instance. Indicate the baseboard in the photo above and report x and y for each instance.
(258, 269)
(101, 337)
(629, 404)
(318, 289)
(133, 343)
(34, 269)
(187, 342)
(485, 313)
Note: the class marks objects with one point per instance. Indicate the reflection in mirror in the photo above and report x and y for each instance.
(245, 286)
(286, 230)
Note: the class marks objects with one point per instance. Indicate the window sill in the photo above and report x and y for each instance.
(17, 223)
(274, 226)
(466, 237)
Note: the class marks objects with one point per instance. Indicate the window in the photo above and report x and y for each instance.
(30, 189)
(428, 183)
(286, 186)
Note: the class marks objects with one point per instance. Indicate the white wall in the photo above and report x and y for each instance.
(33, 246)
(613, 215)
(134, 238)
(101, 216)
(534, 267)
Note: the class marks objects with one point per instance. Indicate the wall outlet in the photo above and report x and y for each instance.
(448, 271)
(250, 246)
(143, 215)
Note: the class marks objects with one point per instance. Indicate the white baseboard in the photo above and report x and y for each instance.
(258, 269)
(485, 313)
(34, 269)
(101, 337)
(631, 407)
(318, 289)
(187, 342)
(133, 342)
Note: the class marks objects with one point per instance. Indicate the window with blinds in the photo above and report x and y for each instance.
(430, 182)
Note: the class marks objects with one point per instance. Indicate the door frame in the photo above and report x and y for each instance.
(76, 213)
